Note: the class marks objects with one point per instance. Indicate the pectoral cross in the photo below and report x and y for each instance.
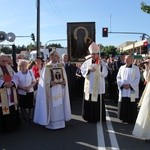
(5, 109)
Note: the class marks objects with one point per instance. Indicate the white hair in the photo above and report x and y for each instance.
(22, 61)
(63, 55)
(3, 55)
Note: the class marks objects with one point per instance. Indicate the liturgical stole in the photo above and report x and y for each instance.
(97, 78)
(6, 74)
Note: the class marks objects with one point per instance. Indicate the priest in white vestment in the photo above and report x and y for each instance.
(128, 78)
(142, 124)
(94, 71)
(52, 106)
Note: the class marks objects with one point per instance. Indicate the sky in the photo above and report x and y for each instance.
(20, 17)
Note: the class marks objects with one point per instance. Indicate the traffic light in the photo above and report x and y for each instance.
(105, 32)
(10, 37)
(2, 36)
(33, 37)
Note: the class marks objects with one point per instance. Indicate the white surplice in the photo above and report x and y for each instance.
(52, 107)
(91, 77)
(128, 76)
(142, 124)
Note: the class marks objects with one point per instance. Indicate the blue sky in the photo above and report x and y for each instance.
(19, 17)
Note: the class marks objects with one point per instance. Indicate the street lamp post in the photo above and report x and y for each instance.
(54, 40)
(14, 57)
(38, 28)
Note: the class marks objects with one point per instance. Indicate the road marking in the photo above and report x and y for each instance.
(87, 145)
(111, 132)
(100, 137)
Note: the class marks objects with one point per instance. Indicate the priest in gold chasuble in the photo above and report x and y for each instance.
(94, 71)
(9, 115)
(52, 106)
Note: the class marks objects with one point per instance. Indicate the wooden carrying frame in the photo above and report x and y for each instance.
(79, 36)
(57, 75)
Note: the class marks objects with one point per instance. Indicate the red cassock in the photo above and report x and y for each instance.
(36, 71)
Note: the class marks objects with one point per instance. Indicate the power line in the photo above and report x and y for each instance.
(48, 10)
(55, 11)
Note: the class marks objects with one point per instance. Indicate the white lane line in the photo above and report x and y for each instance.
(87, 145)
(100, 137)
(111, 132)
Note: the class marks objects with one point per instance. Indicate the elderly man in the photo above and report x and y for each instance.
(9, 116)
(52, 107)
(70, 71)
(128, 78)
(94, 71)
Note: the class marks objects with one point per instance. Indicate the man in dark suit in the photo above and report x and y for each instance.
(70, 71)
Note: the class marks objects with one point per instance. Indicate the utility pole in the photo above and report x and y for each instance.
(38, 28)
(14, 57)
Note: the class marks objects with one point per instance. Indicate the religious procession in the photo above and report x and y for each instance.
(41, 92)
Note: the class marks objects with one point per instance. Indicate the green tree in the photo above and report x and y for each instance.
(31, 47)
(110, 50)
(55, 45)
(6, 50)
(20, 48)
(145, 8)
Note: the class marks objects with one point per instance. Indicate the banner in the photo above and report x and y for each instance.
(79, 36)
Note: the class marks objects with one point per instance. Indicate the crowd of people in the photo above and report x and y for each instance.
(42, 92)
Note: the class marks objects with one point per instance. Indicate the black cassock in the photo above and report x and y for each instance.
(127, 110)
(91, 110)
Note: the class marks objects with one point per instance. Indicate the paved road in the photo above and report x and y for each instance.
(78, 135)
(122, 132)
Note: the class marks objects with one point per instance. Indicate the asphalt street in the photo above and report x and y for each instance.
(78, 134)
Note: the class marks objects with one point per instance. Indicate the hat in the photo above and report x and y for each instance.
(94, 48)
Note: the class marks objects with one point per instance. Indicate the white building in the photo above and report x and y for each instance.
(135, 47)
(44, 53)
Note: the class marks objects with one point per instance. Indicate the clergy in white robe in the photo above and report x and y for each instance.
(128, 78)
(94, 71)
(142, 124)
(52, 106)
(9, 114)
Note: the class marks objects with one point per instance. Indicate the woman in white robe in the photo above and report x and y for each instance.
(142, 125)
